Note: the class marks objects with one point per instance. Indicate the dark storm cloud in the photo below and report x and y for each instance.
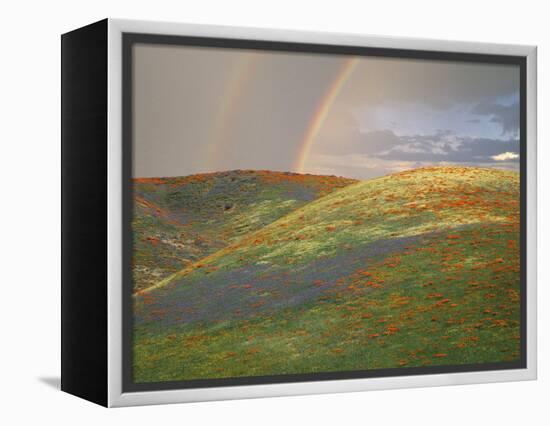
(438, 84)
(443, 146)
(507, 116)
(379, 140)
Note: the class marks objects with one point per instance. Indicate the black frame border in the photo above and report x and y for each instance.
(130, 39)
(84, 275)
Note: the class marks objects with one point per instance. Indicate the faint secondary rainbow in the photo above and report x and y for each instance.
(229, 106)
(322, 111)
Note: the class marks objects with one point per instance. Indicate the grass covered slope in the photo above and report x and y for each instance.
(416, 268)
(179, 220)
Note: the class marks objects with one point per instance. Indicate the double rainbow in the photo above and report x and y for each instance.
(233, 95)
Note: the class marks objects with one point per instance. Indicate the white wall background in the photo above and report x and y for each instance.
(30, 200)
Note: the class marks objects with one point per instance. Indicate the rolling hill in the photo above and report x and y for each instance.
(177, 221)
(416, 268)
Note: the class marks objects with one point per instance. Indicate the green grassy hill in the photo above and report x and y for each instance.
(416, 268)
(179, 220)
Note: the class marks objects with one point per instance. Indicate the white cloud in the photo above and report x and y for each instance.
(357, 166)
(505, 156)
(360, 166)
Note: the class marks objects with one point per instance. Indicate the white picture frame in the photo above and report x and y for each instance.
(116, 396)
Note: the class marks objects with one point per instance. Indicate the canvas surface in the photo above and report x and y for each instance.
(298, 214)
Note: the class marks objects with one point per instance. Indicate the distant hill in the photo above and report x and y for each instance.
(182, 219)
(415, 268)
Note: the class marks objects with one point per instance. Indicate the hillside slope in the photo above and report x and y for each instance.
(179, 220)
(415, 268)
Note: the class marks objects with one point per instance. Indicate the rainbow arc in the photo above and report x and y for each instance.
(322, 112)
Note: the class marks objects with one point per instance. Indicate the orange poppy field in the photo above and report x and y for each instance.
(259, 273)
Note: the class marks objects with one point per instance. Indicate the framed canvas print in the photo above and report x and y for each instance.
(253, 213)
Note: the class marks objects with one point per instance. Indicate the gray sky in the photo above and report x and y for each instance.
(206, 109)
